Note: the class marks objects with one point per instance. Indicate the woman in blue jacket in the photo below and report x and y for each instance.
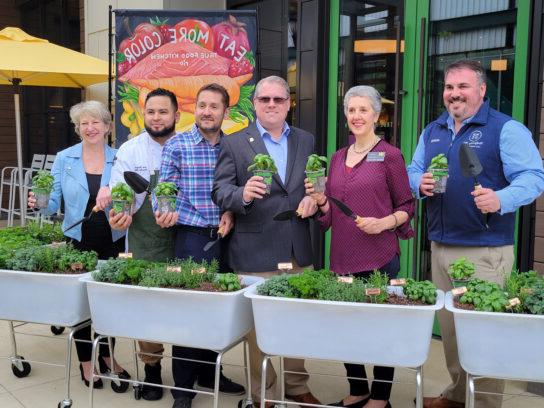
(82, 174)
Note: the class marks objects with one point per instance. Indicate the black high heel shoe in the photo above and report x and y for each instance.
(97, 384)
(358, 404)
(103, 367)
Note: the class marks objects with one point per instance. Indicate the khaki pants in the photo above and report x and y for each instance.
(493, 264)
(153, 348)
(295, 384)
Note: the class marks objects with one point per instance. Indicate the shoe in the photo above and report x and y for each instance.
(182, 402)
(441, 402)
(358, 404)
(306, 398)
(97, 384)
(226, 386)
(152, 375)
(103, 366)
(255, 404)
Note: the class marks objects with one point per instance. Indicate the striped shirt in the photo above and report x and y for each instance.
(188, 160)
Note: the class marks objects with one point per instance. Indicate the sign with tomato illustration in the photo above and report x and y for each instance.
(183, 51)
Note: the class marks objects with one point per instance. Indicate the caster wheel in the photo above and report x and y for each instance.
(56, 330)
(61, 405)
(137, 392)
(21, 373)
(119, 388)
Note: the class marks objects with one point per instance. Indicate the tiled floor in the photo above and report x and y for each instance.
(45, 386)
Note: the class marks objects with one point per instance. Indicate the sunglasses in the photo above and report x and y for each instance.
(266, 99)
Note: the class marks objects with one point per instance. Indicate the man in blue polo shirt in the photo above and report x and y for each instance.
(478, 224)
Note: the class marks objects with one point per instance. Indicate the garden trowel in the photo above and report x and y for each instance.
(136, 182)
(471, 167)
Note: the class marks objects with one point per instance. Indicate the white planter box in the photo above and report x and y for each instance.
(388, 335)
(47, 298)
(209, 320)
(499, 345)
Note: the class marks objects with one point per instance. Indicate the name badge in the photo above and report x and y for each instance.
(375, 156)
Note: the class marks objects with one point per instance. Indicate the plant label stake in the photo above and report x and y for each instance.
(173, 268)
(345, 279)
(285, 266)
(459, 291)
(471, 167)
(398, 282)
(125, 255)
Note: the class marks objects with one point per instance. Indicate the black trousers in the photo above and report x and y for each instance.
(380, 390)
(105, 250)
(190, 243)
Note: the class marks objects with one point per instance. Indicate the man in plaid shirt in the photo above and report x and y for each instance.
(188, 160)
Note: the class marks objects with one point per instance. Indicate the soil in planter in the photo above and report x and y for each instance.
(393, 299)
(463, 306)
(204, 287)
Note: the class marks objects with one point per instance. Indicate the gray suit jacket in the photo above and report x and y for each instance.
(258, 243)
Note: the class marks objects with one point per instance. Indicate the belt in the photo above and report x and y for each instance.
(207, 231)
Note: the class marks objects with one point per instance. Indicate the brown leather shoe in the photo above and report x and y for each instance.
(441, 402)
(306, 398)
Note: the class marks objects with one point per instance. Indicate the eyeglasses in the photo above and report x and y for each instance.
(266, 99)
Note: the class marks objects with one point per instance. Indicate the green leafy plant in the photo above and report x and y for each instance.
(43, 180)
(263, 162)
(485, 296)
(244, 108)
(127, 271)
(277, 286)
(229, 282)
(122, 192)
(316, 162)
(534, 301)
(309, 283)
(49, 259)
(377, 280)
(166, 188)
(420, 290)
(461, 269)
(440, 161)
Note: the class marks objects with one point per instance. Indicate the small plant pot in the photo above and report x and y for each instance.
(440, 177)
(42, 197)
(121, 206)
(459, 283)
(267, 178)
(166, 204)
(318, 179)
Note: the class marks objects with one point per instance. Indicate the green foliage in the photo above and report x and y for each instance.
(534, 301)
(344, 292)
(461, 269)
(122, 192)
(277, 286)
(316, 162)
(229, 282)
(377, 280)
(440, 161)
(263, 162)
(128, 271)
(309, 283)
(166, 188)
(485, 296)
(59, 259)
(420, 290)
(43, 180)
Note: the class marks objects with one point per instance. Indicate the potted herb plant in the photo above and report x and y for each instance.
(32, 274)
(122, 198)
(318, 305)
(42, 185)
(140, 291)
(315, 171)
(166, 193)
(263, 165)
(492, 321)
(439, 170)
(460, 272)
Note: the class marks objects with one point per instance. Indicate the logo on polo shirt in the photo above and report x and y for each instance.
(475, 136)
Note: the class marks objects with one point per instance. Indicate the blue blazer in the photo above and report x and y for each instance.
(71, 183)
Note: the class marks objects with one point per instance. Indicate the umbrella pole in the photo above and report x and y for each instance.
(19, 157)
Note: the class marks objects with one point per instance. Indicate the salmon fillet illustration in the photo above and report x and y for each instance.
(178, 59)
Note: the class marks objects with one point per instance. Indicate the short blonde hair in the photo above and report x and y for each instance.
(94, 109)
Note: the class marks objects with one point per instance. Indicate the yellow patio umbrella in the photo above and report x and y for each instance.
(32, 61)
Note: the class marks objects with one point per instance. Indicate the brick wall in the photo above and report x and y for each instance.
(539, 223)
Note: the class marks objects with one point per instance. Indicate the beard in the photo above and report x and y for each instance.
(166, 131)
(214, 128)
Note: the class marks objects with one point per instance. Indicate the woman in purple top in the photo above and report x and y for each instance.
(370, 177)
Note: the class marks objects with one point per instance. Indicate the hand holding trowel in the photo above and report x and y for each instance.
(471, 167)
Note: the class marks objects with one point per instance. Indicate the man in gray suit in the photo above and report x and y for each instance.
(258, 243)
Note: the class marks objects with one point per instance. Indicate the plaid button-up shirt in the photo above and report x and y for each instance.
(188, 160)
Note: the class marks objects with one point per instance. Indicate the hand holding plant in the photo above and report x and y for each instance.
(439, 170)
(42, 185)
(315, 171)
(123, 197)
(165, 193)
(263, 166)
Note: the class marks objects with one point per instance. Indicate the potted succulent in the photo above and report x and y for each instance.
(317, 305)
(492, 321)
(140, 291)
(460, 271)
(42, 185)
(439, 170)
(263, 165)
(122, 198)
(166, 193)
(315, 171)
(32, 274)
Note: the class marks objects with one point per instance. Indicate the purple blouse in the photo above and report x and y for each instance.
(370, 189)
